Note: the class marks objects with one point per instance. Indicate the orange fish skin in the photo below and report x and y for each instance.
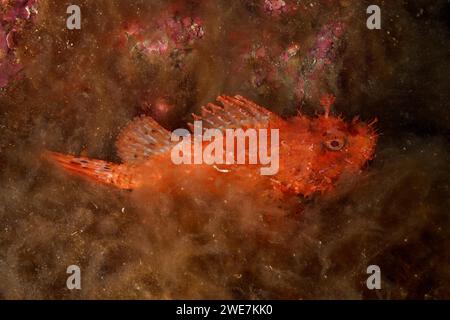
(119, 175)
(313, 153)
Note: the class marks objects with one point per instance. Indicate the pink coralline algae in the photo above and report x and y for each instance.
(12, 13)
(274, 6)
(184, 31)
(18, 9)
(278, 7)
(172, 34)
(272, 65)
(322, 54)
(290, 52)
(326, 42)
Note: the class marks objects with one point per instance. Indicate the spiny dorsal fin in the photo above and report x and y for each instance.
(141, 139)
(235, 112)
(144, 137)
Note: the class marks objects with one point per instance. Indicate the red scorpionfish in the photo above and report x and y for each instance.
(313, 151)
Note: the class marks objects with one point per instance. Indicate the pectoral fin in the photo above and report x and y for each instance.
(141, 139)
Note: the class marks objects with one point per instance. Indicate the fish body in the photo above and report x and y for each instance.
(313, 151)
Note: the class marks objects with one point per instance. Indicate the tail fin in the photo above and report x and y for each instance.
(96, 170)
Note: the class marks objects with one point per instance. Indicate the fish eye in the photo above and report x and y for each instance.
(335, 144)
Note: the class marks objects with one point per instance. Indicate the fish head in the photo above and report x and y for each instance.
(347, 146)
(316, 151)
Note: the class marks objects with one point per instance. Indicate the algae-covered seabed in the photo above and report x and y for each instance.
(79, 88)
